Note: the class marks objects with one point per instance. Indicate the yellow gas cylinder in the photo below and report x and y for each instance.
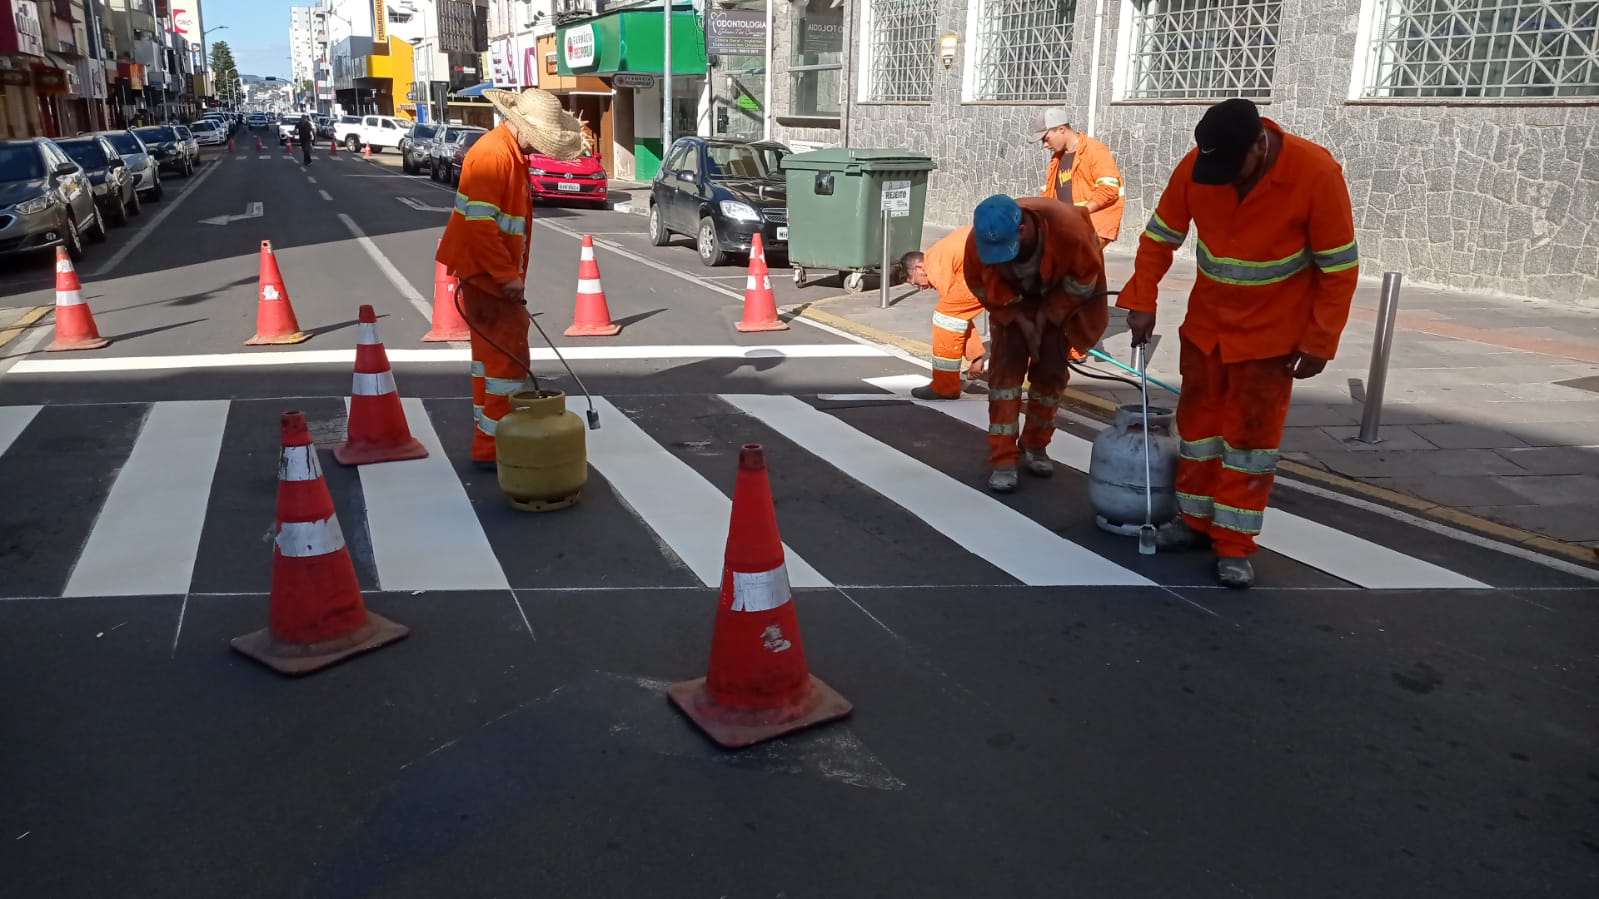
(541, 451)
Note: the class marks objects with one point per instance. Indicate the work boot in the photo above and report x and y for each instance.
(1002, 480)
(1176, 535)
(975, 388)
(926, 392)
(1235, 572)
(1038, 463)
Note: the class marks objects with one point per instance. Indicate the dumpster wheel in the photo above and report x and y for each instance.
(799, 276)
(855, 283)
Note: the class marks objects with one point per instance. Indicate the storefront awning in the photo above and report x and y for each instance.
(475, 90)
(631, 40)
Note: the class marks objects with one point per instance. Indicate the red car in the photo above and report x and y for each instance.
(580, 179)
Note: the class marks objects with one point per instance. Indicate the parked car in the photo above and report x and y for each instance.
(380, 131)
(723, 192)
(443, 148)
(582, 178)
(414, 144)
(142, 166)
(167, 144)
(257, 121)
(287, 126)
(108, 173)
(208, 134)
(324, 126)
(46, 200)
(452, 165)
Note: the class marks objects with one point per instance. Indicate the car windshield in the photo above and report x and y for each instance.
(742, 161)
(156, 135)
(202, 126)
(86, 153)
(124, 142)
(470, 138)
(20, 163)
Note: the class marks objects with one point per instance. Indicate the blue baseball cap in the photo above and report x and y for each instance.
(997, 229)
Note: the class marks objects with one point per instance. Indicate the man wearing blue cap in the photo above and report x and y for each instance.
(1036, 266)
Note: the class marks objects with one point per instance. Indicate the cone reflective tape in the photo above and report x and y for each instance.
(317, 616)
(377, 430)
(274, 314)
(591, 317)
(760, 306)
(75, 328)
(447, 321)
(757, 685)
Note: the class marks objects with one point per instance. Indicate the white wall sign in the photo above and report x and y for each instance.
(30, 38)
(186, 21)
(633, 80)
(897, 198)
(578, 47)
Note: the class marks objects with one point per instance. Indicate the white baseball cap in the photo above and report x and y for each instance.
(1048, 120)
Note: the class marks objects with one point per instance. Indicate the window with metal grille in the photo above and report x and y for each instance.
(1201, 49)
(1486, 49)
(1022, 50)
(900, 50)
(816, 59)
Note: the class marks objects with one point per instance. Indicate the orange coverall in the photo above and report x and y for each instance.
(485, 243)
(1093, 176)
(953, 334)
(1066, 302)
(1277, 271)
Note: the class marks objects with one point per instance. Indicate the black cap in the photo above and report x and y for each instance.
(1224, 136)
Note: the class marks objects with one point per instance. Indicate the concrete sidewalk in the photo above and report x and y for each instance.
(1490, 419)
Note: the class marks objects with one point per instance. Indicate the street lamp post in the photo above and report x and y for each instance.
(206, 53)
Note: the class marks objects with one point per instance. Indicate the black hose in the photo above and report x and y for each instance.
(593, 416)
(1085, 372)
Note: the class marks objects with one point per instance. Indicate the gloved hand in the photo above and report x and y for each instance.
(1142, 326)
(513, 290)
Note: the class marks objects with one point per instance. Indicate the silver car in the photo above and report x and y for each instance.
(142, 164)
(46, 200)
(207, 134)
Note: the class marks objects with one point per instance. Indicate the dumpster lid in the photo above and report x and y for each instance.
(858, 158)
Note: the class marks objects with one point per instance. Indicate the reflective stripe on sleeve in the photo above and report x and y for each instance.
(1249, 272)
(1077, 288)
(1111, 181)
(1244, 521)
(1159, 230)
(1337, 259)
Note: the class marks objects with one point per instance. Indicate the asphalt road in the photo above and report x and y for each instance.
(1396, 711)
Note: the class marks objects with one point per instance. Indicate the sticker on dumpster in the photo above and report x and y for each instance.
(897, 198)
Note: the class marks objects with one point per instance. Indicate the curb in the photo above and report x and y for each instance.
(1105, 409)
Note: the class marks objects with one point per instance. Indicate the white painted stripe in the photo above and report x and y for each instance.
(1338, 553)
(761, 591)
(425, 533)
(307, 539)
(154, 223)
(686, 511)
(310, 179)
(299, 463)
(69, 298)
(374, 383)
(13, 421)
(589, 285)
(147, 536)
(366, 333)
(389, 271)
(326, 196)
(986, 527)
(544, 354)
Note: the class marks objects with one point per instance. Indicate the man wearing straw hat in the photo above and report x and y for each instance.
(486, 246)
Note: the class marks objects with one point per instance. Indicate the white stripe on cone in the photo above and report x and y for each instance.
(306, 539)
(69, 298)
(366, 333)
(299, 463)
(63, 266)
(374, 383)
(589, 285)
(759, 591)
(587, 254)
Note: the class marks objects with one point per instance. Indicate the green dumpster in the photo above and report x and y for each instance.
(835, 209)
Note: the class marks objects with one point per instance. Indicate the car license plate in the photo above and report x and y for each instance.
(569, 186)
(782, 234)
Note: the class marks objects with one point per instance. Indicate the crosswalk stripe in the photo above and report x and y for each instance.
(148, 534)
(1340, 554)
(425, 533)
(13, 420)
(686, 511)
(1005, 538)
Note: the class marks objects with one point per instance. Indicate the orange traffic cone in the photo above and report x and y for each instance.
(230, 145)
(447, 321)
(288, 150)
(274, 314)
(75, 328)
(259, 147)
(377, 431)
(760, 306)
(591, 317)
(333, 146)
(758, 686)
(368, 153)
(317, 616)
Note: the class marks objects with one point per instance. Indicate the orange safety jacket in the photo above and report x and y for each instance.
(1072, 272)
(486, 236)
(1277, 270)
(1093, 176)
(945, 262)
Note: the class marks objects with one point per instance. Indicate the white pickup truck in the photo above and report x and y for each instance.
(380, 131)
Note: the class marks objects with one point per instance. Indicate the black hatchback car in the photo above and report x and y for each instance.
(723, 192)
(114, 189)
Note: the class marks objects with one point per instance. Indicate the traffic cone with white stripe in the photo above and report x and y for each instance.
(377, 430)
(760, 306)
(591, 317)
(447, 321)
(317, 616)
(368, 153)
(333, 146)
(757, 686)
(75, 328)
(259, 147)
(274, 314)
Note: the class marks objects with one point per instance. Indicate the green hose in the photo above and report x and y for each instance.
(1129, 369)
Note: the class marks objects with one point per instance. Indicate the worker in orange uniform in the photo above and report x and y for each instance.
(1081, 172)
(1037, 268)
(1277, 270)
(943, 268)
(486, 246)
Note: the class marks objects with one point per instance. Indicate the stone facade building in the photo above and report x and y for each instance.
(1468, 129)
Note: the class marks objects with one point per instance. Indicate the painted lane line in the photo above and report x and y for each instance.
(251, 211)
(388, 269)
(310, 179)
(147, 536)
(13, 421)
(154, 223)
(686, 511)
(403, 354)
(326, 196)
(1340, 554)
(22, 323)
(419, 206)
(982, 525)
(425, 533)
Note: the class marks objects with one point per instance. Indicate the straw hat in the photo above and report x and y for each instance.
(537, 119)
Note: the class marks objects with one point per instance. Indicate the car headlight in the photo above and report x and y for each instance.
(533, 171)
(739, 212)
(600, 174)
(37, 204)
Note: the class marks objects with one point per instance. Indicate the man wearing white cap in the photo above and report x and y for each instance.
(1081, 172)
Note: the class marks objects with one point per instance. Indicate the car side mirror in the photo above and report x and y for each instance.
(118, 164)
(64, 169)
(686, 177)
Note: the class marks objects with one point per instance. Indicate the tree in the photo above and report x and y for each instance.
(224, 70)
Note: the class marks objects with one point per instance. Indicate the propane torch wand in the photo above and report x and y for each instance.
(592, 416)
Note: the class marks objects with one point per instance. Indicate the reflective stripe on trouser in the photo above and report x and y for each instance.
(1009, 365)
(495, 376)
(953, 339)
(1230, 422)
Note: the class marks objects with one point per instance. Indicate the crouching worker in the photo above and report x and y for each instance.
(943, 268)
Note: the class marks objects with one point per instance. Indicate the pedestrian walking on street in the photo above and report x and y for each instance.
(486, 246)
(1278, 267)
(1081, 172)
(1036, 266)
(306, 133)
(943, 268)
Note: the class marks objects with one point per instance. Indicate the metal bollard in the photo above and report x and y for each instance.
(887, 276)
(1382, 345)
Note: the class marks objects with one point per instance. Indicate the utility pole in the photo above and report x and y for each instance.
(666, 79)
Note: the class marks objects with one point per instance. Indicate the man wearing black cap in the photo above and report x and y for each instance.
(1277, 269)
